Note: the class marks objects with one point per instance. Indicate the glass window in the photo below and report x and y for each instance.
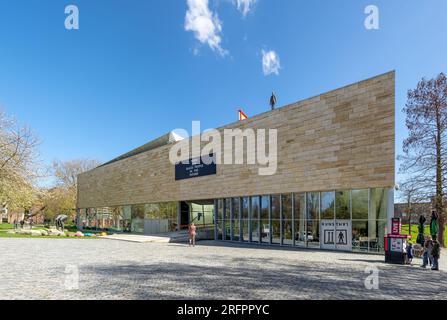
(300, 232)
(313, 233)
(127, 218)
(300, 206)
(265, 208)
(327, 205)
(313, 206)
(287, 232)
(235, 219)
(236, 208)
(152, 211)
(287, 207)
(255, 226)
(255, 230)
(360, 239)
(220, 209)
(265, 231)
(276, 214)
(276, 231)
(254, 208)
(343, 205)
(227, 209)
(137, 224)
(359, 204)
(245, 208)
(376, 235)
(378, 204)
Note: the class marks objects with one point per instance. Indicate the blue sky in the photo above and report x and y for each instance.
(137, 69)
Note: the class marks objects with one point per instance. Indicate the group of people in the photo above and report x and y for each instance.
(430, 255)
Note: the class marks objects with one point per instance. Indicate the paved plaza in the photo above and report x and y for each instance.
(110, 269)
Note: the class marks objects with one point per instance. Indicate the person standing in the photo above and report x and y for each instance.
(404, 251)
(15, 224)
(192, 234)
(436, 253)
(430, 250)
(426, 253)
(410, 252)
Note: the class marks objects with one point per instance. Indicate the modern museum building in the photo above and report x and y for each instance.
(332, 188)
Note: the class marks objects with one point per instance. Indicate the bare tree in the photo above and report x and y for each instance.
(412, 194)
(19, 163)
(62, 197)
(66, 172)
(425, 149)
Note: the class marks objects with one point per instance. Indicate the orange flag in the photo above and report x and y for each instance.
(242, 116)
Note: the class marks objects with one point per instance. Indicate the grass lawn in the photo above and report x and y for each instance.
(414, 232)
(6, 226)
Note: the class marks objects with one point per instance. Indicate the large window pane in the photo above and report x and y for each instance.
(245, 208)
(327, 205)
(276, 231)
(265, 226)
(152, 212)
(300, 206)
(265, 231)
(287, 207)
(255, 230)
(138, 218)
(276, 207)
(313, 206)
(265, 208)
(287, 232)
(360, 240)
(244, 227)
(255, 227)
(313, 233)
(343, 205)
(127, 218)
(220, 209)
(227, 209)
(235, 220)
(300, 233)
(359, 204)
(378, 204)
(377, 234)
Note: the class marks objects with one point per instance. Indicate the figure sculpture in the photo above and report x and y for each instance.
(421, 238)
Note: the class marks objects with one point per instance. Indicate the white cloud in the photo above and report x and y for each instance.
(270, 62)
(244, 6)
(205, 25)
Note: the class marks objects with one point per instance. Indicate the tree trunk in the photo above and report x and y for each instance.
(441, 239)
(439, 193)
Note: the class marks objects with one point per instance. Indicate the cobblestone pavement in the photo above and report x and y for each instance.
(46, 269)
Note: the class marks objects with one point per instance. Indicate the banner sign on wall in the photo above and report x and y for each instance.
(196, 168)
(336, 234)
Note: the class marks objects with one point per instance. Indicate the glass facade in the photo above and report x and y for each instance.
(299, 219)
(139, 219)
(340, 219)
